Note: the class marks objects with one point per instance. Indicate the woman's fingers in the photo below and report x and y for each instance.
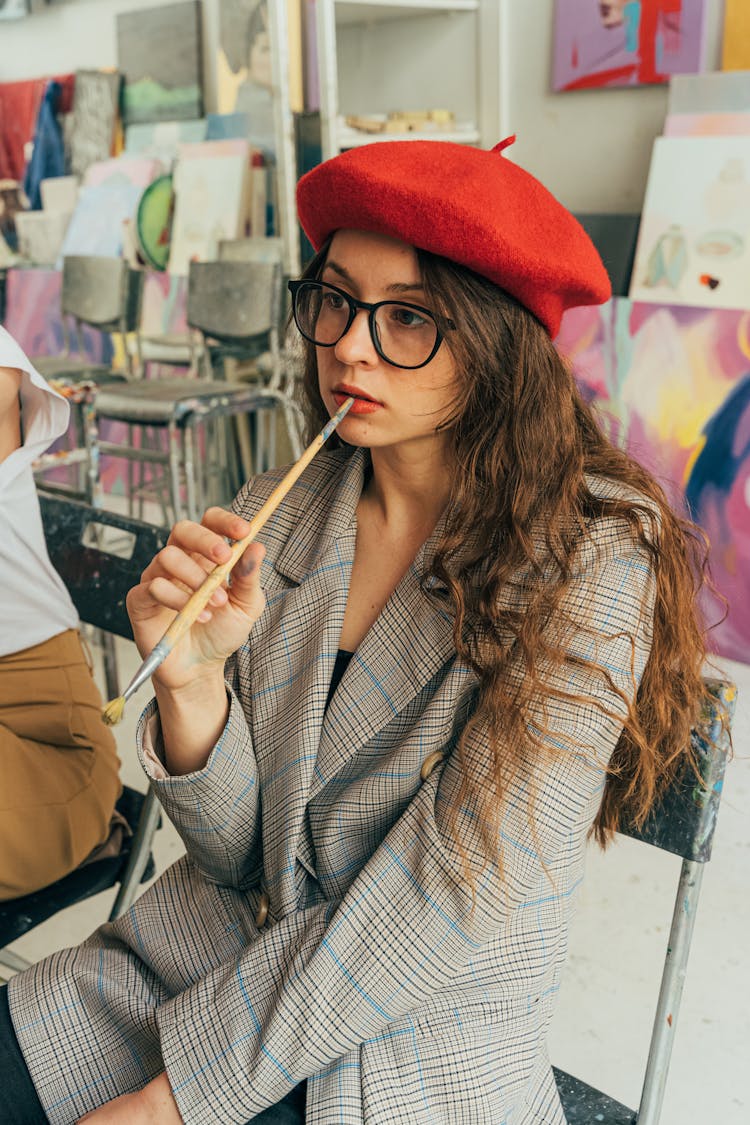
(171, 562)
(171, 596)
(208, 538)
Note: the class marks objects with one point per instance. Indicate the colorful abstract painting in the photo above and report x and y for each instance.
(672, 386)
(694, 239)
(625, 42)
(159, 51)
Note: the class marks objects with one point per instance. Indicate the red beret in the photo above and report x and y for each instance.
(473, 206)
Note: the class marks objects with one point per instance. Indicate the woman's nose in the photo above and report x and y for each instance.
(356, 345)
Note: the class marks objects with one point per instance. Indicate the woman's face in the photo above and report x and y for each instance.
(397, 407)
(611, 12)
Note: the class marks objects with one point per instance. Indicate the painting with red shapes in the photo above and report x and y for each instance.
(626, 42)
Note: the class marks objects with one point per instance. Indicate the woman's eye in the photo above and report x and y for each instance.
(333, 301)
(407, 318)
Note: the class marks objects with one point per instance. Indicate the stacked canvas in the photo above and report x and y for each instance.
(212, 199)
(41, 233)
(108, 200)
(694, 242)
(95, 118)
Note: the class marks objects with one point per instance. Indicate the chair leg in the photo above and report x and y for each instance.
(139, 853)
(175, 459)
(93, 460)
(670, 993)
(13, 962)
(293, 429)
(109, 654)
(188, 435)
(193, 435)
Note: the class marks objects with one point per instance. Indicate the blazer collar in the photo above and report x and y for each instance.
(338, 497)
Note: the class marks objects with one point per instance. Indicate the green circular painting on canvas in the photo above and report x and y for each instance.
(154, 222)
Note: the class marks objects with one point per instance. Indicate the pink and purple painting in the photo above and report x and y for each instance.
(672, 386)
(626, 42)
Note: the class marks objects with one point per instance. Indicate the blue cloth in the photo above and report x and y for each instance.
(48, 155)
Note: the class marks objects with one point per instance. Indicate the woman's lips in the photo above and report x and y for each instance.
(360, 405)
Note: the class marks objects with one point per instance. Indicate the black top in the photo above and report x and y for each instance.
(342, 661)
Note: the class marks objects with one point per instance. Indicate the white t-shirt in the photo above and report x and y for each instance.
(34, 603)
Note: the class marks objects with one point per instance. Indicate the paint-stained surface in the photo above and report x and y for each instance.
(685, 819)
(625, 42)
(672, 385)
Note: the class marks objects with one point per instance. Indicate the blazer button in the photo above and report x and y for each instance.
(263, 904)
(429, 764)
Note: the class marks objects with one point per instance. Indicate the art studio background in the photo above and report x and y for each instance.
(638, 119)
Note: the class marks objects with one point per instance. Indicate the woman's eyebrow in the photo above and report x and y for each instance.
(396, 287)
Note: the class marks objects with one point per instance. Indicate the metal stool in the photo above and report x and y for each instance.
(184, 409)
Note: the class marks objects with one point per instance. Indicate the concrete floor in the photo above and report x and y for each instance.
(617, 946)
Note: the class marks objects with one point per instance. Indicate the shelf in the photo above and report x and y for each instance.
(350, 12)
(352, 138)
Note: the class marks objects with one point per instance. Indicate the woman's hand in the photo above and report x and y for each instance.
(192, 551)
(153, 1105)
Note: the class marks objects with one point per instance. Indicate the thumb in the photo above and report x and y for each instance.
(245, 591)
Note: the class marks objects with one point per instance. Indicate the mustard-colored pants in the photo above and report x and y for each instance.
(58, 765)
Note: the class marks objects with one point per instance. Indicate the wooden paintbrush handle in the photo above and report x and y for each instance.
(201, 597)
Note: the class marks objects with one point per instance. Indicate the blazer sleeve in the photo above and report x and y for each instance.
(215, 809)
(318, 983)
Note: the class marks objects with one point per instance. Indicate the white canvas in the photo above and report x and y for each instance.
(713, 92)
(694, 240)
(211, 202)
(59, 193)
(41, 234)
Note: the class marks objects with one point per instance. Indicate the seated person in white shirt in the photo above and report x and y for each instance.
(58, 761)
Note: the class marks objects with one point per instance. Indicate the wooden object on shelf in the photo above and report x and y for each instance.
(426, 120)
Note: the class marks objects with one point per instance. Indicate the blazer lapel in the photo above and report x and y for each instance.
(291, 656)
(411, 640)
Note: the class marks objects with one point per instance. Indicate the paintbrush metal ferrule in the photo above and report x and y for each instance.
(157, 656)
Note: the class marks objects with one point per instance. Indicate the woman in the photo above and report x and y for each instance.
(58, 761)
(468, 636)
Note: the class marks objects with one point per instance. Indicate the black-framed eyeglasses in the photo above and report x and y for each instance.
(404, 335)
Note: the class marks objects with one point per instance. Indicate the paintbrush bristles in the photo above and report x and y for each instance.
(112, 713)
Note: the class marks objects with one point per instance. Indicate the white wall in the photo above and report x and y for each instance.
(592, 148)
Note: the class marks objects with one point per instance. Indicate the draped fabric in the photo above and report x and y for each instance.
(19, 109)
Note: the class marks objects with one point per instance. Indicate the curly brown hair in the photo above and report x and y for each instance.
(524, 443)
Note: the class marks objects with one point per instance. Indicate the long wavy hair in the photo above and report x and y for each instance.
(524, 443)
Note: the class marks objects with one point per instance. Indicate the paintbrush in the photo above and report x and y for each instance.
(198, 601)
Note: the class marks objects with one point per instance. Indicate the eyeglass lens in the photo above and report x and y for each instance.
(405, 336)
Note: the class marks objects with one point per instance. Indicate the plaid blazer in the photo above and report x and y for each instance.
(372, 976)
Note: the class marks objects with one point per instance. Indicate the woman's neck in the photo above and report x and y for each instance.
(408, 491)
